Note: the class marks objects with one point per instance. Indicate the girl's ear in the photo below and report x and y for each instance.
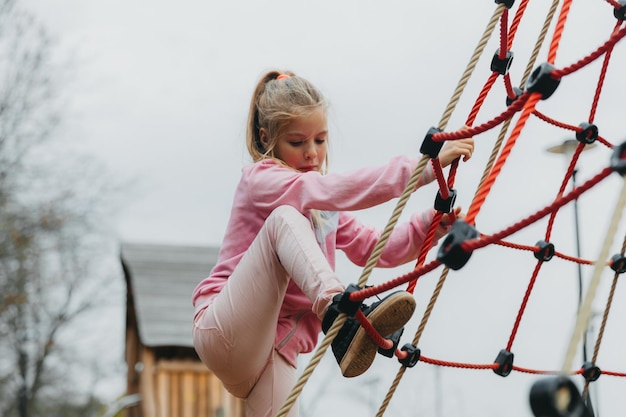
(263, 138)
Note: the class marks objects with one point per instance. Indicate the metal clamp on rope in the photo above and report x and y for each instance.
(618, 159)
(541, 81)
(451, 253)
(620, 13)
(429, 146)
(545, 251)
(505, 363)
(618, 263)
(518, 92)
(412, 357)
(588, 133)
(501, 65)
(395, 339)
(507, 3)
(445, 205)
(346, 305)
(557, 397)
(591, 372)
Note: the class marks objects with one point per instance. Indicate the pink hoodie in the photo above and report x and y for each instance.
(268, 184)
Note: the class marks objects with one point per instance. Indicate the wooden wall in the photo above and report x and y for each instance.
(183, 388)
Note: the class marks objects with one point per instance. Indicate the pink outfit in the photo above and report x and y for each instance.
(263, 301)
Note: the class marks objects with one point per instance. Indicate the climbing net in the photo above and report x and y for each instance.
(554, 394)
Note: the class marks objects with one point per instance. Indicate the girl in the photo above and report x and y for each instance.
(268, 295)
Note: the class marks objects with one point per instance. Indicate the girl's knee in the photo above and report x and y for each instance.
(286, 215)
(285, 211)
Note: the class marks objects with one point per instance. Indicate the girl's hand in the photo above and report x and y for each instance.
(447, 220)
(454, 149)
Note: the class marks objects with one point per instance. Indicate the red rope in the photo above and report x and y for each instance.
(556, 74)
(526, 102)
(616, 4)
(504, 19)
(441, 180)
(558, 31)
(482, 96)
(529, 102)
(574, 259)
(554, 122)
(605, 65)
(457, 364)
(535, 248)
(566, 179)
(430, 235)
(522, 308)
(380, 341)
(488, 239)
(493, 366)
(566, 126)
(386, 286)
(516, 22)
(476, 130)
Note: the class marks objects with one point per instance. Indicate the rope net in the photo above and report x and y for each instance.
(522, 104)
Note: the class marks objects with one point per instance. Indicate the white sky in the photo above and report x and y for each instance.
(161, 94)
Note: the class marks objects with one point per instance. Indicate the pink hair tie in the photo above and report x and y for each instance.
(282, 77)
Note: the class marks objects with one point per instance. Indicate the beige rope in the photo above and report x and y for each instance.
(397, 212)
(489, 166)
(416, 339)
(315, 360)
(373, 260)
(584, 312)
(605, 318)
(454, 100)
(378, 249)
(442, 125)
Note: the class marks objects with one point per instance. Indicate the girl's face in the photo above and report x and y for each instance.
(303, 146)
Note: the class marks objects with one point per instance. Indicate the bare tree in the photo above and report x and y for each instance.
(49, 243)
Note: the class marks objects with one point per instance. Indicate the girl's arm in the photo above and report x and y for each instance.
(358, 240)
(270, 184)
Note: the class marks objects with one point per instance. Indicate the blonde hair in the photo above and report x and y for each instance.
(276, 101)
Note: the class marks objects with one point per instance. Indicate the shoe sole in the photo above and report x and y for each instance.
(389, 316)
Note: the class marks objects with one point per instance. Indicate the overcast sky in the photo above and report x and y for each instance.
(161, 93)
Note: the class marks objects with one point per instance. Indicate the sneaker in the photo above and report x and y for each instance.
(354, 350)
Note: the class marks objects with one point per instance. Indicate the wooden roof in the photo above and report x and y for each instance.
(161, 279)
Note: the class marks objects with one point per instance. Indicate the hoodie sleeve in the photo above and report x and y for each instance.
(272, 184)
(404, 244)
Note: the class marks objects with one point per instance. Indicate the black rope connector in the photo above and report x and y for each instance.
(518, 92)
(541, 81)
(507, 3)
(557, 397)
(451, 253)
(618, 159)
(412, 357)
(395, 339)
(588, 134)
(591, 372)
(618, 263)
(505, 363)
(501, 65)
(445, 205)
(429, 146)
(545, 251)
(347, 306)
(620, 12)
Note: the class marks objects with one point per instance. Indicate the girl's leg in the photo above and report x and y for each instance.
(235, 335)
(273, 387)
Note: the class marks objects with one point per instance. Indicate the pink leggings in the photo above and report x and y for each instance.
(234, 332)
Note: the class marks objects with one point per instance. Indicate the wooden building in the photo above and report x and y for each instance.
(163, 367)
